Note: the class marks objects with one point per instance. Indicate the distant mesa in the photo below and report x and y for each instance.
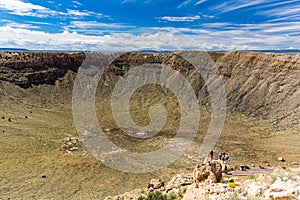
(287, 51)
(277, 51)
(14, 49)
(154, 51)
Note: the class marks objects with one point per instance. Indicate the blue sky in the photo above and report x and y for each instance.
(125, 25)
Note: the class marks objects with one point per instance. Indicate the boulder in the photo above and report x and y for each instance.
(194, 193)
(295, 163)
(214, 191)
(282, 190)
(280, 198)
(211, 171)
(256, 188)
(179, 180)
(156, 183)
(281, 159)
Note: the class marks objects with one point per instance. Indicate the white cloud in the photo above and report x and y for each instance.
(19, 25)
(135, 1)
(283, 27)
(206, 16)
(180, 19)
(21, 8)
(128, 1)
(79, 13)
(276, 9)
(95, 24)
(295, 17)
(18, 7)
(42, 40)
(166, 38)
(275, 4)
(233, 5)
(184, 3)
(241, 5)
(77, 3)
(284, 12)
(41, 23)
(200, 2)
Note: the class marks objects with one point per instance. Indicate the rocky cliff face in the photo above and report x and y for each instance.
(25, 69)
(260, 85)
(263, 85)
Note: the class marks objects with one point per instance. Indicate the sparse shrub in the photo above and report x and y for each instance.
(252, 177)
(230, 169)
(254, 198)
(183, 190)
(247, 167)
(171, 196)
(156, 195)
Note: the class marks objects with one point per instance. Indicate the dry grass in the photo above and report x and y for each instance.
(32, 165)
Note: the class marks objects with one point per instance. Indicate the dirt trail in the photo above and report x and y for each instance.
(250, 172)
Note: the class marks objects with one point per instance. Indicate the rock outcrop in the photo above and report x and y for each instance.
(156, 183)
(281, 184)
(178, 181)
(34, 68)
(278, 185)
(211, 172)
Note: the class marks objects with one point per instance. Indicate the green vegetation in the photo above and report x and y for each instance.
(235, 196)
(156, 195)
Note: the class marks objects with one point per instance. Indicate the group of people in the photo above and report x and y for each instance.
(222, 156)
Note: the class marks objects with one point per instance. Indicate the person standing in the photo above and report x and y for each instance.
(226, 157)
(223, 157)
(211, 154)
(220, 155)
(209, 157)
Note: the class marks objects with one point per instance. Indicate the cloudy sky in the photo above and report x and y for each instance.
(126, 25)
